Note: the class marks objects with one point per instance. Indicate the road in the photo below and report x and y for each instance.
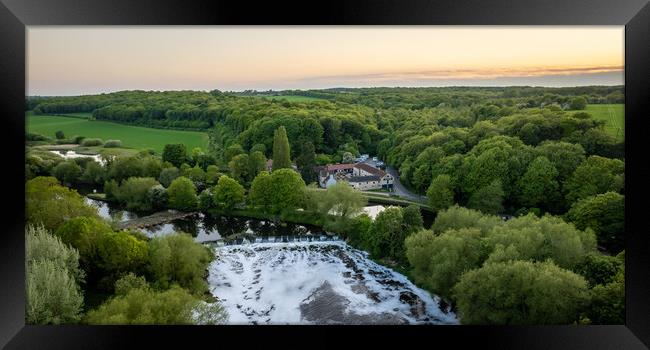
(400, 190)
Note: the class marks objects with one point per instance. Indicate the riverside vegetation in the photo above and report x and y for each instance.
(533, 154)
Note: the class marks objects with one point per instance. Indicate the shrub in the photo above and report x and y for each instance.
(112, 144)
(92, 142)
(520, 293)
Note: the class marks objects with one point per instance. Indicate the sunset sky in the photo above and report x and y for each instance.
(88, 60)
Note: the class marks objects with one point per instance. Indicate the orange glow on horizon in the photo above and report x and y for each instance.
(70, 60)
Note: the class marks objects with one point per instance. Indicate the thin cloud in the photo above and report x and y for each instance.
(459, 74)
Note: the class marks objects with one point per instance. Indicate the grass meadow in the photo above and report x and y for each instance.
(131, 136)
(613, 115)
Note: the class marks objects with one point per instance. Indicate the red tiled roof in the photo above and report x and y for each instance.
(333, 167)
(372, 170)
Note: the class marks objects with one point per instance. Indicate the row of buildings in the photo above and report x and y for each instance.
(361, 176)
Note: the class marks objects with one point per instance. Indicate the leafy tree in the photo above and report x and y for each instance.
(197, 176)
(258, 147)
(603, 213)
(41, 246)
(357, 230)
(168, 175)
(340, 200)
(539, 187)
(347, 157)
(94, 173)
(111, 188)
(498, 158)
(306, 161)
(228, 193)
(134, 193)
(388, 234)
(206, 200)
(158, 197)
(578, 103)
(595, 175)
(83, 234)
(256, 163)
(182, 194)
(441, 193)
(564, 156)
(458, 217)
(197, 152)
(231, 151)
(281, 150)
(146, 306)
(520, 293)
(276, 192)
(177, 259)
(598, 268)
(67, 172)
(121, 252)
(261, 191)
(239, 167)
(51, 204)
(532, 238)
(412, 218)
(607, 304)
(59, 135)
(53, 275)
(175, 154)
(123, 168)
(488, 199)
(53, 296)
(439, 261)
(128, 282)
(212, 175)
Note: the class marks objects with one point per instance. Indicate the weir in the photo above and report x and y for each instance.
(275, 239)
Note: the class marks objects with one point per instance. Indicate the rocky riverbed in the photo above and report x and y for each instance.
(316, 283)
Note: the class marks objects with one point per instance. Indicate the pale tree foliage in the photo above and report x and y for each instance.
(341, 200)
(53, 274)
(143, 305)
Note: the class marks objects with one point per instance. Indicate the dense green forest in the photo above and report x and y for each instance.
(532, 153)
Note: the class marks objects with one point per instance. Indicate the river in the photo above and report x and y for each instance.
(316, 283)
(299, 282)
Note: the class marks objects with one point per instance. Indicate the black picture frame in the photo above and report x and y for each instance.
(15, 15)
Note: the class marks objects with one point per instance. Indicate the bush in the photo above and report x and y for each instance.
(30, 136)
(458, 217)
(145, 306)
(603, 213)
(53, 274)
(177, 259)
(128, 282)
(78, 139)
(182, 194)
(51, 204)
(520, 293)
(92, 142)
(598, 268)
(134, 193)
(439, 261)
(112, 144)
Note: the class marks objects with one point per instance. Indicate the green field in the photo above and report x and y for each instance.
(293, 98)
(613, 115)
(131, 136)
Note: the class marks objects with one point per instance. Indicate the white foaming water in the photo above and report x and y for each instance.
(316, 283)
(73, 154)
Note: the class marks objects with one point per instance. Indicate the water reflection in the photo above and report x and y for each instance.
(205, 228)
(111, 212)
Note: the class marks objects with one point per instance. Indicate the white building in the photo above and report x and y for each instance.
(366, 177)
